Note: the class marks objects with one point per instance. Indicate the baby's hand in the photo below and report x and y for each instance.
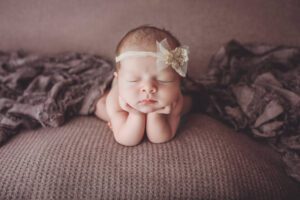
(109, 125)
(177, 106)
(164, 110)
(173, 109)
(125, 106)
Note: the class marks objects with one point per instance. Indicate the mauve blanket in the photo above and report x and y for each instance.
(255, 88)
(48, 90)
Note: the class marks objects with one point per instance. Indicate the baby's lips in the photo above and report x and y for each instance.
(147, 101)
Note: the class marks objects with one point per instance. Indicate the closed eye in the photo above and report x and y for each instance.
(163, 81)
(132, 81)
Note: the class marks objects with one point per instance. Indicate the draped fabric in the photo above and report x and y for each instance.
(46, 91)
(255, 88)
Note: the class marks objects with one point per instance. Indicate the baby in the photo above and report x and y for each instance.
(145, 96)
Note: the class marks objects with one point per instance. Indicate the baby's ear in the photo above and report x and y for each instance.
(115, 74)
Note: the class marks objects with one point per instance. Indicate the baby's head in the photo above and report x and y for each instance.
(144, 38)
(144, 73)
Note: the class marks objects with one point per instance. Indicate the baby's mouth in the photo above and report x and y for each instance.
(147, 101)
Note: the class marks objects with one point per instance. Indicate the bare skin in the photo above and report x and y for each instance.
(129, 112)
(153, 124)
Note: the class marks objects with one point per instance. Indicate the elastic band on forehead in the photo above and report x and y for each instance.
(128, 54)
(177, 58)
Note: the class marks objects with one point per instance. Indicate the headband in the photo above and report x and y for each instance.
(177, 58)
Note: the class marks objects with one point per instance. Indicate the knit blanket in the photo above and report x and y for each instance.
(47, 91)
(255, 88)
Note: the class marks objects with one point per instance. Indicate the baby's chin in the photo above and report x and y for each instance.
(149, 108)
(146, 109)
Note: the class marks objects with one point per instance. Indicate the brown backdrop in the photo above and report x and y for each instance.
(95, 26)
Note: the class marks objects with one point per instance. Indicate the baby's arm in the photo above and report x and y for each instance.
(161, 126)
(128, 125)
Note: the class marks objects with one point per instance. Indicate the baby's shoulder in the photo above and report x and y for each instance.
(113, 93)
(112, 101)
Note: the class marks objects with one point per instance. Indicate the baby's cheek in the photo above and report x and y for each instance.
(169, 96)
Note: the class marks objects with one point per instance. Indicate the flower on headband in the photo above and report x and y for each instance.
(177, 58)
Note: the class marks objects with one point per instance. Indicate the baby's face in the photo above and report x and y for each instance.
(145, 88)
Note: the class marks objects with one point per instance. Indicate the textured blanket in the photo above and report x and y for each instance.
(48, 90)
(255, 88)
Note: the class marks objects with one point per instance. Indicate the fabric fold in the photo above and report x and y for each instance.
(47, 91)
(255, 88)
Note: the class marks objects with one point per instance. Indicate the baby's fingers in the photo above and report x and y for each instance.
(167, 110)
(109, 125)
(130, 109)
(164, 110)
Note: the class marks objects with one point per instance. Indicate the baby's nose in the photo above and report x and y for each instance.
(149, 88)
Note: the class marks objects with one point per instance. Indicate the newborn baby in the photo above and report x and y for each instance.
(145, 96)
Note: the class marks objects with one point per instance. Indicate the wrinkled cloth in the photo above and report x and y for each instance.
(46, 90)
(255, 88)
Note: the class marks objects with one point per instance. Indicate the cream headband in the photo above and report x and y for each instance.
(177, 58)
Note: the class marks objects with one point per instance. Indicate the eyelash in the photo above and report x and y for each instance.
(133, 81)
(160, 81)
(165, 81)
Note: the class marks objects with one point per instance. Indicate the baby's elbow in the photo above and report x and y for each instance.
(161, 138)
(127, 143)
